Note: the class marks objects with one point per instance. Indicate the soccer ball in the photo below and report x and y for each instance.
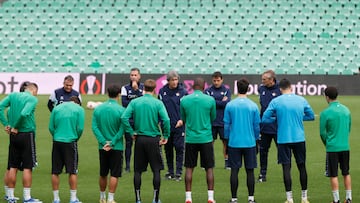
(92, 104)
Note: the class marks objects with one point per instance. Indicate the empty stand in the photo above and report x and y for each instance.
(191, 36)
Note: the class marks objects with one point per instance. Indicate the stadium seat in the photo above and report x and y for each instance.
(268, 31)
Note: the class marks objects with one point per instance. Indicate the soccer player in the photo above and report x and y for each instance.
(170, 95)
(132, 90)
(63, 94)
(242, 129)
(20, 125)
(290, 111)
(66, 126)
(6, 175)
(222, 96)
(108, 130)
(147, 112)
(198, 110)
(268, 90)
(335, 125)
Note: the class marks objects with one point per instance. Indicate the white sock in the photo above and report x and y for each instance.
(348, 194)
(73, 195)
(336, 195)
(27, 193)
(102, 195)
(289, 196)
(210, 194)
(56, 194)
(251, 198)
(110, 197)
(304, 194)
(11, 193)
(188, 196)
(233, 199)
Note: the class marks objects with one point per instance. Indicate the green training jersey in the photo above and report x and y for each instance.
(20, 115)
(107, 126)
(67, 122)
(198, 110)
(335, 125)
(146, 112)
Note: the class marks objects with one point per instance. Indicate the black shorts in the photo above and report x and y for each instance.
(218, 130)
(338, 158)
(147, 151)
(298, 149)
(206, 155)
(65, 154)
(111, 161)
(22, 153)
(237, 154)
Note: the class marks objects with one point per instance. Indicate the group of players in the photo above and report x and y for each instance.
(187, 123)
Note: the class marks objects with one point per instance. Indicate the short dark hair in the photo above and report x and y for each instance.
(217, 74)
(75, 99)
(149, 85)
(113, 90)
(69, 78)
(331, 92)
(31, 86)
(284, 83)
(135, 69)
(23, 86)
(243, 85)
(199, 84)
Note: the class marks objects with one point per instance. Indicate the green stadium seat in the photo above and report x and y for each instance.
(348, 72)
(332, 71)
(320, 32)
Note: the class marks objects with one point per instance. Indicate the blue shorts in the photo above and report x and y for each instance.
(237, 154)
(298, 149)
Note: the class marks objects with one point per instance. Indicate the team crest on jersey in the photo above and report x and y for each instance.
(274, 94)
(222, 93)
(164, 93)
(263, 93)
(177, 94)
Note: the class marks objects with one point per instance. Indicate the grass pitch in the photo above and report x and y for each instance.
(271, 191)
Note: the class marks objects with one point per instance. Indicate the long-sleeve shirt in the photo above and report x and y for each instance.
(146, 111)
(266, 94)
(107, 125)
(219, 94)
(241, 123)
(198, 110)
(289, 110)
(171, 99)
(335, 125)
(59, 96)
(21, 107)
(67, 122)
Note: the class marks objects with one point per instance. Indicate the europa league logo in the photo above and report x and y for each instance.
(90, 79)
(90, 83)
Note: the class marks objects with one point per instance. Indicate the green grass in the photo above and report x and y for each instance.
(171, 191)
